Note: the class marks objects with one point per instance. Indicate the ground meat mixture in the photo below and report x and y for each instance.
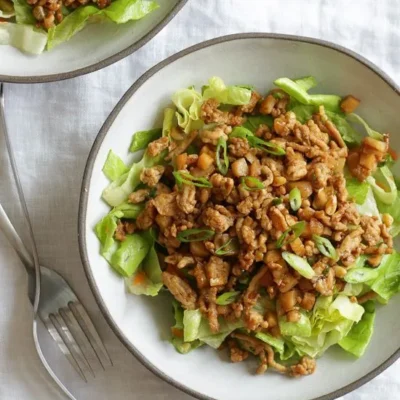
(245, 219)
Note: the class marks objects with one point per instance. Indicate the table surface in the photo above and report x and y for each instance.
(53, 127)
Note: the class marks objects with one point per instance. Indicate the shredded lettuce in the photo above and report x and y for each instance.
(168, 122)
(303, 112)
(119, 11)
(233, 95)
(357, 340)
(147, 280)
(114, 167)
(24, 37)
(129, 211)
(347, 309)
(357, 190)
(253, 122)
(105, 230)
(188, 103)
(394, 211)
(358, 120)
(23, 13)
(141, 139)
(299, 328)
(348, 133)
(369, 207)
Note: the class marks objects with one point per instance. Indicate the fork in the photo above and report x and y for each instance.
(52, 298)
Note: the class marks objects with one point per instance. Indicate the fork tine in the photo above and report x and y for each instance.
(70, 342)
(90, 331)
(79, 337)
(61, 344)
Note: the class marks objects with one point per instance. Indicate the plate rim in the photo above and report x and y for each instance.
(100, 64)
(89, 169)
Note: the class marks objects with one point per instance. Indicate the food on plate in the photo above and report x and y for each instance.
(269, 219)
(35, 25)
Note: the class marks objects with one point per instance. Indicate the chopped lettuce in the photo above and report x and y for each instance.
(131, 252)
(24, 37)
(347, 309)
(348, 133)
(188, 103)
(129, 211)
(361, 275)
(358, 120)
(357, 190)
(105, 230)
(369, 207)
(233, 95)
(253, 122)
(277, 343)
(357, 340)
(306, 83)
(114, 167)
(394, 211)
(119, 11)
(299, 328)
(118, 191)
(147, 280)
(168, 122)
(385, 178)
(23, 14)
(197, 328)
(141, 139)
(387, 283)
(303, 112)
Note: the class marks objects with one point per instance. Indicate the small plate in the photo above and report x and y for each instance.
(95, 47)
(143, 324)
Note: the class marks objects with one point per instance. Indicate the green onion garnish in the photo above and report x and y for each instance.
(228, 248)
(299, 264)
(188, 179)
(241, 132)
(195, 235)
(268, 147)
(223, 164)
(325, 247)
(227, 298)
(296, 230)
(276, 201)
(295, 199)
(250, 183)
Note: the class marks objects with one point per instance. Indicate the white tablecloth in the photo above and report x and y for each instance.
(53, 127)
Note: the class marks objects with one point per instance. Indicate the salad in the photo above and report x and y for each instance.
(269, 219)
(36, 25)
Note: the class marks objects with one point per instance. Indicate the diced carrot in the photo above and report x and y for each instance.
(204, 161)
(181, 161)
(177, 332)
(393, 154)
(349, 104)
(139, 278)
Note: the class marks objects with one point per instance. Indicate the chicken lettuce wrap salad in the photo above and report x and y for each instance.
(34, 26)
(269, 218)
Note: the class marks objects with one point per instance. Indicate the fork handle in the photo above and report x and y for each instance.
(15, 241)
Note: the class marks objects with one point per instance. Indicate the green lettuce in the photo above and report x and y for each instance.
(141, 139)
(394, 211)
(358, 120)
(303, 113)
(119, 11)
(369, 207)
(147, 279)
(118, 191)
(233, 95)
(114, 167)
(348, 133)
(23, 14)
(253, 122)
(23, 37)
(300, 328)
(306, 83)
(277, 343)
(357, 340)
(188, 103)
(197, 328)
(105, 231)
(385, 177)
(168, 122)
(357, 190)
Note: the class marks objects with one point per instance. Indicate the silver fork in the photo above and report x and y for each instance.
(53, 299)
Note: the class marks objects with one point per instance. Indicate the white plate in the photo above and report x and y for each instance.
(95, 47)
(143, 324)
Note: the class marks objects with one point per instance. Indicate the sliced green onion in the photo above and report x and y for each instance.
(268, 147)
(228, 248)
(195, 235)
(296, 230)
(299, 264)
(276, 201)
(224, 164)
(325, 247)
(295, 199)
(227, 298)
(255, 184)
(361, 275)
(188, 179)
(241, 132)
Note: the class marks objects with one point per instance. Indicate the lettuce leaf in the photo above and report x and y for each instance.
(348, 133)
(394, 211)
(369, 207)
(119, 11)
(347, 309)
(233, 95)
(357, 190)
(303, 112)
(253, 122)
(197, 328)
(147, 279)
(141, 139)
(357, 340)
(105, 230)
(118, 191)
(300, 328)
(358, 120)
(114, 167)
(23, 13)
(168, 121)
(306, 83)
(188, 103)
(23, 37)
(385, 178)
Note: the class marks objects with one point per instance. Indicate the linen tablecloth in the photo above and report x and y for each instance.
(53, 127)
